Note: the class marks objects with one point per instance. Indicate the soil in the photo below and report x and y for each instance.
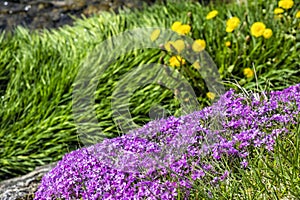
(40, 14)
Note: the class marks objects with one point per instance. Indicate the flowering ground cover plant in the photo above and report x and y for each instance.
(137, 166)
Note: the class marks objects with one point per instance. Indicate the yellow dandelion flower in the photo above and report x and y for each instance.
(232, 24)
(268, 33)
(286, 4)
(298, 14)
(278, 11)
(175, 26)
(248, 72)
(199, 45)
(196, 65)
(257, 29)
(168, 46)
(211, 95)
(176, 61)
(212, 14)
(228, 44)
(183, 29)
(179, 45)
(180, 28)
(229, 30)
(155, 34)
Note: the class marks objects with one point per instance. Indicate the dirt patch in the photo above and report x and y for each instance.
(40, 14)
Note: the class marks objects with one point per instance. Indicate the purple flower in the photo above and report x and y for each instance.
(196, 174)
(168, 155)
(224, 176)
(244, 163)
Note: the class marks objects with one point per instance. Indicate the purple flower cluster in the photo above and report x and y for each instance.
(167, 156)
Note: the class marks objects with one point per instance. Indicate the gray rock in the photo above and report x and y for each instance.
(23, 187)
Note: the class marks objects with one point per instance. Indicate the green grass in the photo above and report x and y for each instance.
(38, 69)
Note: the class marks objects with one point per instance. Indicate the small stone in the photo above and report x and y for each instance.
(27, 7)
(25, 186)
(41, 6)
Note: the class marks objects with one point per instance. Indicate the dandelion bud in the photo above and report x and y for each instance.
(247, 38)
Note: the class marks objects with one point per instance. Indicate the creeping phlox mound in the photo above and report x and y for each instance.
(166, 157)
